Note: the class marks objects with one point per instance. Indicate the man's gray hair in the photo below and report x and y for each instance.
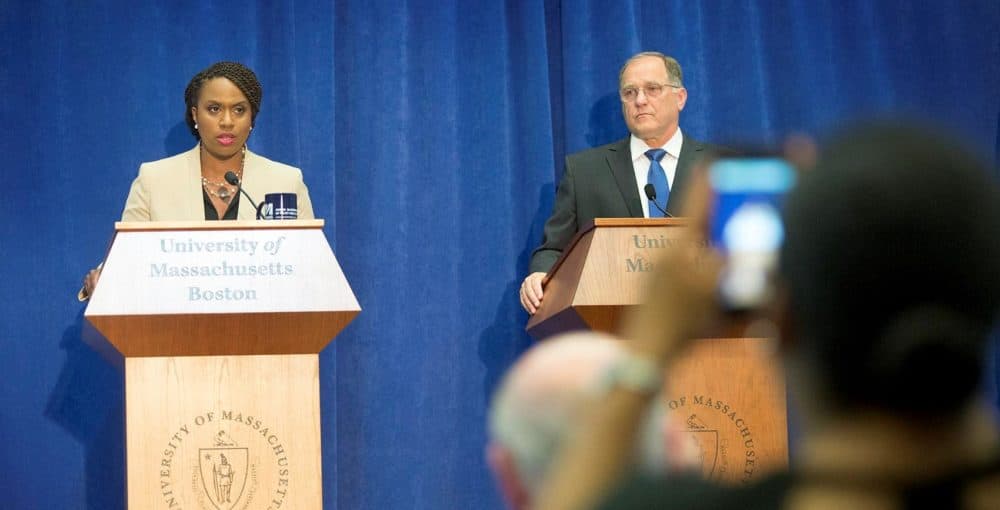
(674, 73)
(547, 393)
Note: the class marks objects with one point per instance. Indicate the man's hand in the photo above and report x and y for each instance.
(531, 292)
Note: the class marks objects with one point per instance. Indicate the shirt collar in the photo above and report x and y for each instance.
(673, 146)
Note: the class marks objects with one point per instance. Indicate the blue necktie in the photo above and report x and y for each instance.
(658, 178)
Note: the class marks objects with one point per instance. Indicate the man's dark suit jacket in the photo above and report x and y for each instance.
(600, 183)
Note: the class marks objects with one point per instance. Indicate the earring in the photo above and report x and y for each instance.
(195, 126)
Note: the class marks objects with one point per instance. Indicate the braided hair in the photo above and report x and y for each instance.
(239, 74)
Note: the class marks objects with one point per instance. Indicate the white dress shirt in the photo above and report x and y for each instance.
(640, 164)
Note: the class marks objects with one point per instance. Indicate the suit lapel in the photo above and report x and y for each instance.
(248, 211)
(194, 208)
(620, 161)
(691, 150)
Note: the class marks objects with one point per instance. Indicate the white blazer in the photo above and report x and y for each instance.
(170, 189)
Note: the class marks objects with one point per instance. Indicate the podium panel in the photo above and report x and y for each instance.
(729, 397)
(223, 432)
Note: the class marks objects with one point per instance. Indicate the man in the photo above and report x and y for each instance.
(544, 395)
(609, 181)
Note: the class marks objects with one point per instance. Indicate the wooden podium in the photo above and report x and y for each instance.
(220, 325)
(728, 393)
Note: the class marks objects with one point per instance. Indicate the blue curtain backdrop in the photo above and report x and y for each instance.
(431, 134)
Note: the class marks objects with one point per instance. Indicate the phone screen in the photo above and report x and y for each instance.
(746, 225)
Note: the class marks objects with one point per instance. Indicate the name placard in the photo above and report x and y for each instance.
(242, 270)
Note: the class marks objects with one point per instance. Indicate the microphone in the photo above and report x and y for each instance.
(231, 178)
(650, 194)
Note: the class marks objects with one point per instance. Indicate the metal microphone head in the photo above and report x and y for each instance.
(235, 181)
(649, 189)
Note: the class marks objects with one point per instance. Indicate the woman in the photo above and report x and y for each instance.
(221, 107)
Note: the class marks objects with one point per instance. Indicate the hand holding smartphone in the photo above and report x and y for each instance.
(746, 226)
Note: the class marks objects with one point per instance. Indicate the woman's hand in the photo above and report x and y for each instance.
(89, 284)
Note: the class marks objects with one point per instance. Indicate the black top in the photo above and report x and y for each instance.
(690, 492)
(212, 215)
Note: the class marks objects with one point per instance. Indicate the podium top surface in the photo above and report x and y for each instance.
(274, 287)
(634, 222)
(611, 223)
(601, 271)
(149, 226)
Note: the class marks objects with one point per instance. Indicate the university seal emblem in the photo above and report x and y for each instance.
(706, 442)
(223, 470)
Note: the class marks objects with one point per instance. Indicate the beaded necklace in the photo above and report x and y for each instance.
(222, 190)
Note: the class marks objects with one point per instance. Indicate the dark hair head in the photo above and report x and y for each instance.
(892, 261)
(239, 74)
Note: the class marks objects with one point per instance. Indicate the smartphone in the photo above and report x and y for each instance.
(746, 225)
